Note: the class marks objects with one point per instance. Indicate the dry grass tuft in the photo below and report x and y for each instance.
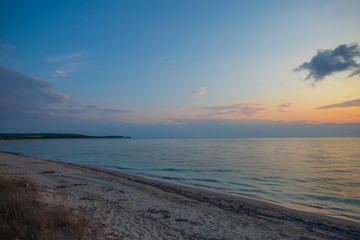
(23, 216)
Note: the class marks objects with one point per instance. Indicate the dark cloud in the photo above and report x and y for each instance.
(27, 97)
(327, 62)
(352, 103)
(24, 94)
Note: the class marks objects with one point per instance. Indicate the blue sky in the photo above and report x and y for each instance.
(180, 68)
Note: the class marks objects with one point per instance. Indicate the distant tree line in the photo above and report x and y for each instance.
(14, 136)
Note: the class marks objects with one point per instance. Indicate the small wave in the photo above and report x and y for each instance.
(171, 178)
(312, 206)
(252, 190)
(341, 171)
(337, 209)
(157, 176)
(351, 201)
(240, 184)
(177, 170)
(122, 168)
(222, 170)
(207, 186)
(272, 184)
(205, 180)
(170, 170)
(274, 177)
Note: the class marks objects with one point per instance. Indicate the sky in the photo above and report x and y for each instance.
(177, 69)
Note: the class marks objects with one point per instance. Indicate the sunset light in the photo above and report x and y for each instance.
(180, 119)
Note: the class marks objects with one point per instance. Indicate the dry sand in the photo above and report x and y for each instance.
(125, 206)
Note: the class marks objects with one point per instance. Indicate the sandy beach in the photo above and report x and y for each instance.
(125, 206)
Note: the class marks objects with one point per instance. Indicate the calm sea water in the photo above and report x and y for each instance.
(314, 174)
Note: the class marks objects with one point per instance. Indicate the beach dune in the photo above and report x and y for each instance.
(126, 206)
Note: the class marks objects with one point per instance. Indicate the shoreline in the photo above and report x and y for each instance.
(304, 209)
(173, 209)
(149, 177)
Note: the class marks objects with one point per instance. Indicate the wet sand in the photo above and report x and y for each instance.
(126, 206)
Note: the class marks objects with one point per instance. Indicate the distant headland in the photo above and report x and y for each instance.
(15, 136)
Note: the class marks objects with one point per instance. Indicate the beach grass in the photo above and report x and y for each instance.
(24, 216)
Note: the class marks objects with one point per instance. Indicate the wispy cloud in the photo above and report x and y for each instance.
(247, 109)
(352, 103)
(327, 62)
(59, 73)
(67, 69)
(118, 94)
(107, 110)
(286, 107)
(67, 63)
(65, 57)
(200, 92)
(163, 59)
(6, 47)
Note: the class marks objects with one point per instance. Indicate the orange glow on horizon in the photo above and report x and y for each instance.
(308, 115)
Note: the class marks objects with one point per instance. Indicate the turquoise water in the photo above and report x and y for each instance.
(314, 174)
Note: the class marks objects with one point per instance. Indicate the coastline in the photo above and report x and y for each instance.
(40, 136)
(130, 206)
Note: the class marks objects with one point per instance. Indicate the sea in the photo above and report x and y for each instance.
(312, 174)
